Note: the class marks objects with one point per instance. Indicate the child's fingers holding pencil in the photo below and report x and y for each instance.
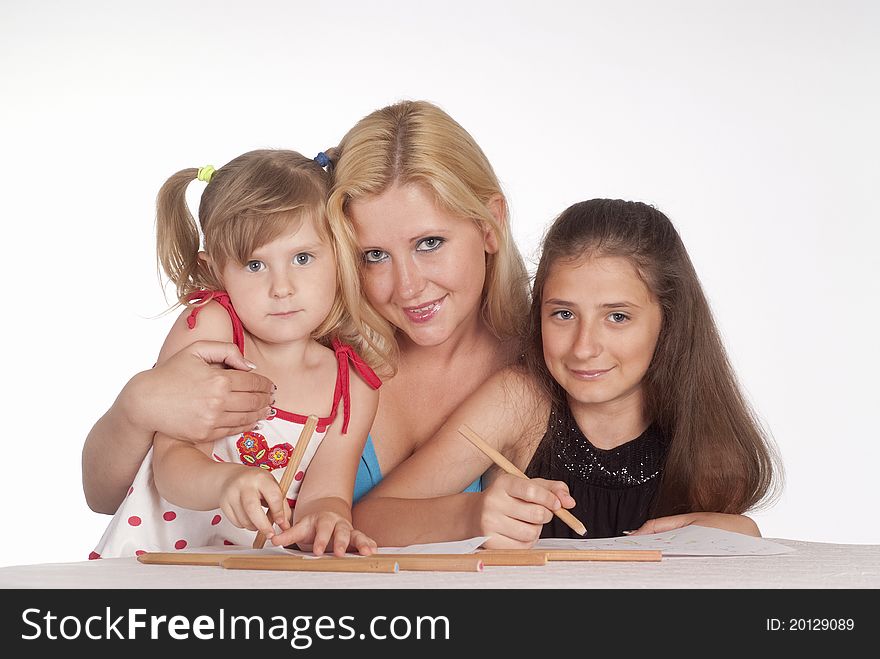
(559, 489)
(276, 502)
(573, 523)
(251, 503)
(535, 490)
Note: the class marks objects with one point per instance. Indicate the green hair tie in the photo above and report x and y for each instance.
(205, 173)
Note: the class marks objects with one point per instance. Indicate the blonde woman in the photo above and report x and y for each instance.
(416, 201)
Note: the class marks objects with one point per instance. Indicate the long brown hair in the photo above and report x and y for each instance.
(417, 142)
(247, 203)
(719, 459)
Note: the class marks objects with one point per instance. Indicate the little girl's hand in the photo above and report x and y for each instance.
(242, 500)
(319, 531)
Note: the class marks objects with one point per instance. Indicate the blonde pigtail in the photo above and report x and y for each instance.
(177, 235)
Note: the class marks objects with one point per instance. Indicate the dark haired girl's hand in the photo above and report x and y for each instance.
(513, 510)
(725, 521)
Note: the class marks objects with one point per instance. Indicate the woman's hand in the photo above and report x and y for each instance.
(735, 523)
(513, 510)
(243, 492)
(189, 397)
(324, 529)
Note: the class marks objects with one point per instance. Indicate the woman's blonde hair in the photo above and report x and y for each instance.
(415, 142)
(249, 202)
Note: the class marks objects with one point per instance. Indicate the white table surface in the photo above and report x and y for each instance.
(812, 565)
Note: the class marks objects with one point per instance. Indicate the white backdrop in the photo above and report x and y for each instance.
(753, 125)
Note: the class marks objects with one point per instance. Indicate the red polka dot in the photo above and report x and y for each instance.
(226, 542)
(130, 490)
(170, 516)
(180, 544)
(216, 520)
(299, 476)
(94, 555)
(291, 503)
(139, 552)
(134, 520)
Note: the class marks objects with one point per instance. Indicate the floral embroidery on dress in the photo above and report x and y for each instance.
(255, 452)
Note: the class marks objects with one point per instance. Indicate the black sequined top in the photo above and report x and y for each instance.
(614, 489)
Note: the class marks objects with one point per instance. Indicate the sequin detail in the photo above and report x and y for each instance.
(628, 465)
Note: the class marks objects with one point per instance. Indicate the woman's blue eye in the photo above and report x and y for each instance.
(563, 314)
(304, 258)
(618, 317)
(374, 256)
(429, 244)
(254, 266)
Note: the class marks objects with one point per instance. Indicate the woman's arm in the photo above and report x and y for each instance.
(323, 508)
(421, 500)
(187, 395)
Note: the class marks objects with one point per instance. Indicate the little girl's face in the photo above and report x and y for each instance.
(285, 290)
(599, 326)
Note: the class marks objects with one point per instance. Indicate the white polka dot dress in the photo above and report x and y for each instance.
(147, 522)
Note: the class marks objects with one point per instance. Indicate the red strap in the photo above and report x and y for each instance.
(222, 298)
(344, 353)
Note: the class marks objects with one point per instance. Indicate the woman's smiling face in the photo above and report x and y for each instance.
(424, 269)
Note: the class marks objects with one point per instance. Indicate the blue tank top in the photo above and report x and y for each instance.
(369, 474)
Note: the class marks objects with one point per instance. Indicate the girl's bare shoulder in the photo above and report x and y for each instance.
(211, 322)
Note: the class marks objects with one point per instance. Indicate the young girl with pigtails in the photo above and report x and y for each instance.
(265, 277)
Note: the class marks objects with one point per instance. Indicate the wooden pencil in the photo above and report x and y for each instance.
(299, 564)
(291, 469)
(182, 558)
(436, 562)
(621, 555)
(642, 555)
(493, 557)
(570, 520)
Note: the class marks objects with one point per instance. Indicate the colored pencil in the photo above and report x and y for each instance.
(300, 564)
(291, 469)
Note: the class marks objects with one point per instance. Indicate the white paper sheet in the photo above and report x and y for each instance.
(458, 547)
(687, 541)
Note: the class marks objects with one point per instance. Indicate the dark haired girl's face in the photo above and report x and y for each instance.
(599, 326)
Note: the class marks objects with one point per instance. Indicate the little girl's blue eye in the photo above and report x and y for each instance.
(564, 314)
(254, 266)
(303, 259)
(618, 317)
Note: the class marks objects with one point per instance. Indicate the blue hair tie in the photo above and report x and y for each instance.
(322, 159)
